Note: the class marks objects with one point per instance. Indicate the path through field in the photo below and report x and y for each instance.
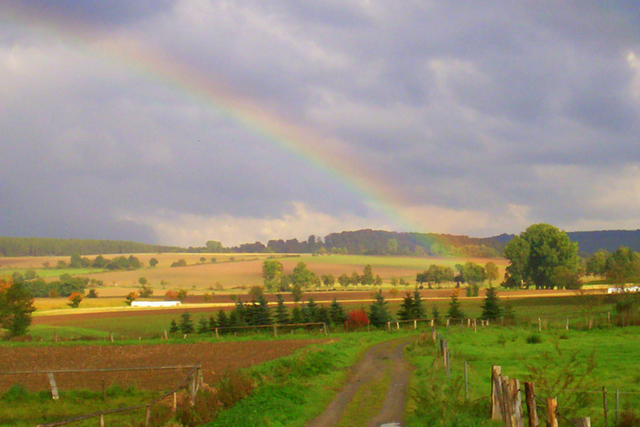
(381, 360)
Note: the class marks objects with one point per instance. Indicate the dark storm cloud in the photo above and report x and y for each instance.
(480, 107)
(94, 12)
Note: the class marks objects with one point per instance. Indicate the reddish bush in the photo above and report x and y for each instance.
(357, 319)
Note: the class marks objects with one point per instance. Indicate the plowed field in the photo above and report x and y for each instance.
(214, 357)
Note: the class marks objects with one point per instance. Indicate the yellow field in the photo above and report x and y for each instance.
(239, 271)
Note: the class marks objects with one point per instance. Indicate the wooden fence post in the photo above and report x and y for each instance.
(447, 363)
(539, 325)
(515, 399)
(505, 403)
(111, 336)
(552, 406)
(166, 336)
(604, 406)
(415, 324)
(174, 406)
(148, 416)
(101, 420)
(433, 332)
(581, 422)
(566, 326)
(466, 381)
(530, 398)
(54, 387)
(496, 392)
(55, 337)
(447, 323)
(217, 336)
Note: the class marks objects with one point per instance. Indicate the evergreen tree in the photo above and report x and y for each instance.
(261, 314)
(436, 314)
(282, 317)
(491, 309)
(455, 312)
(233, 319)
(203, 326)
(337, 313)
(379, 311)
(407, 308)
(212, 323)
(240, 312)
(323, 315)
(174, 326)
(222, 319)
(418, 307)
(310, 311)
(186, 324)
(296, 315)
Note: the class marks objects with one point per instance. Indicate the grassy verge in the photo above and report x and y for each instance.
(296, 389)
(573, 366)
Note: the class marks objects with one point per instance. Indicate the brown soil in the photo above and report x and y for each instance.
(373, 366)
(214, 357)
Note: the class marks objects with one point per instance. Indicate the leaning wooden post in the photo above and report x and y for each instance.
(604, 406)
(496, 392)
(516, 403)
(530, 398)
(193, 388)
(148, 416)
(54, 387)
(466, 381)
(552, 406)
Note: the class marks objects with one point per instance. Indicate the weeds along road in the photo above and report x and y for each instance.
(382, 374)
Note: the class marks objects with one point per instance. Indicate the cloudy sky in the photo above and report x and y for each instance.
(181, 121)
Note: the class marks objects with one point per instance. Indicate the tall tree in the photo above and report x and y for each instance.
(271, 273)
(406, 308)
(455, 312)
(367, 277)
(16, 306)
(491, 309)
(537, 252)
(282, 316)
(379, 311)
(337, 314)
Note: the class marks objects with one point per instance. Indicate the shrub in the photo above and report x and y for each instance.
(534, 339)
(357, 319)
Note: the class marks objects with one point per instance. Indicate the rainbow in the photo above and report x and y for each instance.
(325, 154)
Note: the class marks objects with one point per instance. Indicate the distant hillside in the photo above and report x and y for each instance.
(590, 242)
(609, 240)
(40, 246)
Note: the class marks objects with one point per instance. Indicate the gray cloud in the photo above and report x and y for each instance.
(522, 112)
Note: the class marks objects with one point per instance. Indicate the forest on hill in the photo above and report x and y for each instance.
(360, 242)
(41, 246)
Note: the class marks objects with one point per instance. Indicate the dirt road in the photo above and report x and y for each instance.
(374, 366)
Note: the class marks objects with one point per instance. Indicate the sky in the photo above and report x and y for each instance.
(182, 121)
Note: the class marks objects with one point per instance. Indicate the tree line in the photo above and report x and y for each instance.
(42, 246)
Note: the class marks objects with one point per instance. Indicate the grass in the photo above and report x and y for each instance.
(367, 402)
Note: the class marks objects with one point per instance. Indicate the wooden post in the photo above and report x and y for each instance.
(388, 326)
(111, 336)
(174, 406)
(217, 336)
(54, 387)
(468, 323)
(581, 422)
(566, 326)
(326, 330)
(415, 324)
(433, 333)
(505, 403)
(552, 406)
(55, 336)
(275, 331)
(496, 392)
(447, 323)
(192, 389)
(101, 420)
(398, 325)
(148, 416)
(617, 406)
(539, 325)
(604, 406)
(515, 399)
(447, 360)
(530, 398)
(166, 336)
(466, 381)
(475, 325)
(433, 323)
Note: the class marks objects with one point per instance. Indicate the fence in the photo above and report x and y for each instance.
(507, 397)
(193, 377)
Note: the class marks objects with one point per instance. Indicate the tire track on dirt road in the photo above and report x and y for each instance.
(374, 365)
